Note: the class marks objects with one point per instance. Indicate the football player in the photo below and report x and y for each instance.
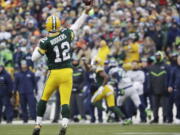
(57, 48)
(125, 87)
(138, 77)
(105, 91)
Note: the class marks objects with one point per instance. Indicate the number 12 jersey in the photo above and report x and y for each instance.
(58, 49)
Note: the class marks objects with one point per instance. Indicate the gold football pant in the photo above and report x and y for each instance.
(107, 93)
(60, 79)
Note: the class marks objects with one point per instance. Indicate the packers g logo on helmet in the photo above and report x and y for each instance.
(53, 24)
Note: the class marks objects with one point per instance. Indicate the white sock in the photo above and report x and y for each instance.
(65, 122)
(39, 120)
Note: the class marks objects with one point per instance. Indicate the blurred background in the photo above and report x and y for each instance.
(141, 35)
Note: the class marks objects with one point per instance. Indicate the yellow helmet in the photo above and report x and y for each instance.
(53, 24)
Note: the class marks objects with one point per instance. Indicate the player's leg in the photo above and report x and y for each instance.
(65, 89)
(136, 100)
(122, 104)
(139, 90)
(110, 100)
(120, 100)
(57, 108)
(97, 97)
(50, 86)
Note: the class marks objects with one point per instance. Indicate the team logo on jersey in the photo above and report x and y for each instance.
(2, 78)
(28, 75)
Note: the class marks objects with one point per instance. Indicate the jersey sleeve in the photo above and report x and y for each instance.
(71, 34)
(42, 46)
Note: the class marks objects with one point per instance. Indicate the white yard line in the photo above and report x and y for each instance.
(48, 122)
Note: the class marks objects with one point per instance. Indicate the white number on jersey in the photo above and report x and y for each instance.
(65, 47)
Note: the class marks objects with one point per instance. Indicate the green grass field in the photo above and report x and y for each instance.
(96, 129)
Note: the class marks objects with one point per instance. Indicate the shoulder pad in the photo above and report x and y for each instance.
(64, 29)
(42, 40)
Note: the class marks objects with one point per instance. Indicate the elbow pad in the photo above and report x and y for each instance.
(36, 55)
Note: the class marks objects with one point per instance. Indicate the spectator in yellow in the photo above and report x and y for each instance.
(131, 51)
(7, 4)
(103, 52)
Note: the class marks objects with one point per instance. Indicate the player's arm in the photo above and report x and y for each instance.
(116, 76)
(87, 66)
(36, 54)
(105, 76)
(39, 51)
(79, 22)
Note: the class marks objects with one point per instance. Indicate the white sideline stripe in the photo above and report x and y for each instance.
(146, 133)
(48, 122)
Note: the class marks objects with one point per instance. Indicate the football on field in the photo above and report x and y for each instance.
(87, 2)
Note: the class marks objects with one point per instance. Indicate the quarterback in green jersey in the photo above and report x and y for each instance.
(57, 48)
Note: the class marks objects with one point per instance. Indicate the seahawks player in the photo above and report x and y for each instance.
(126, 87)
(57, 48)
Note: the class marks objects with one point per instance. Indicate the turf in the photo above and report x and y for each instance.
(97, 129)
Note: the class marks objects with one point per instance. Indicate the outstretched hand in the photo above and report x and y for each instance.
(89, 7)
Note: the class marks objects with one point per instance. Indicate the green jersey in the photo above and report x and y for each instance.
(99, 78)
(58, 49)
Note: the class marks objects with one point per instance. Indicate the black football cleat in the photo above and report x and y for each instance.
(62, 131)
(155, 121)
(36, 130)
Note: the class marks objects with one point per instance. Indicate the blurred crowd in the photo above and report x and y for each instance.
(141, 35)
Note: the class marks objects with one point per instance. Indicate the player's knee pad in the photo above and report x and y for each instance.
(41, 108)
(109, 90)
(65, 111)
